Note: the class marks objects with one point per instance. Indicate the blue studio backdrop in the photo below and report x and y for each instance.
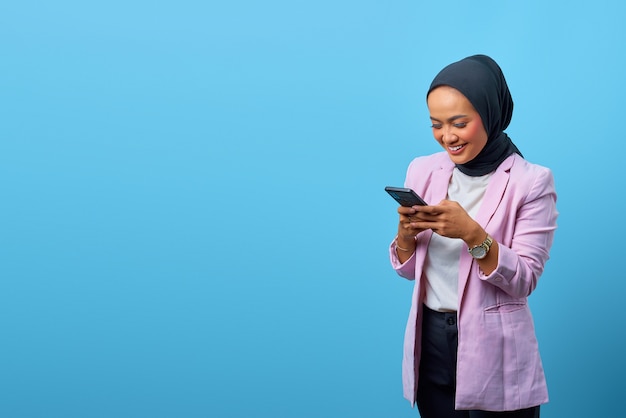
(192, 215)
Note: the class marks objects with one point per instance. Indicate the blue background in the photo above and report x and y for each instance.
(193, 221)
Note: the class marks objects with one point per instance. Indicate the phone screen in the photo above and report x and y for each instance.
(405, 196)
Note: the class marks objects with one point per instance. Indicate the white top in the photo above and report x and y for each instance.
(441, 267)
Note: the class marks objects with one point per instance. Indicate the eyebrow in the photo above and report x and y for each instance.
(453, 118)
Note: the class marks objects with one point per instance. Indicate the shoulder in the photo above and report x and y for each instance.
(535, 178)
(519, 167)
(424, 171)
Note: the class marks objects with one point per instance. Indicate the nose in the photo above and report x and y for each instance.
(447, 136)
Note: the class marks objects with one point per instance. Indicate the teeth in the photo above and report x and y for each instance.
(456, 148)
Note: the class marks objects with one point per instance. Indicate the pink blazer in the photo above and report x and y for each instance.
(499, 367)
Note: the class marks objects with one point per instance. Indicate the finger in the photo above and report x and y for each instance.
(403, 210)
(432, 210)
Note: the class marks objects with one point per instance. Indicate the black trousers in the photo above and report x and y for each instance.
(437, 373)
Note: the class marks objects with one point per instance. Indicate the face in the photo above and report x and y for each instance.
(456, 124)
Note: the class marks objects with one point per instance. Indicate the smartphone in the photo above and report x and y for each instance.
(405, 197)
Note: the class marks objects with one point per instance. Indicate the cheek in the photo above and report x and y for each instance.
(475, 133)
(437, 135)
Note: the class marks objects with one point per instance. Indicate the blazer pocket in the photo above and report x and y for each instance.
(506, 307)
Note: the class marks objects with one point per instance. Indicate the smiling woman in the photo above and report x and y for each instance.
(470, 345)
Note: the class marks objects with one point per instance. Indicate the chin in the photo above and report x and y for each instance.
(456, 159)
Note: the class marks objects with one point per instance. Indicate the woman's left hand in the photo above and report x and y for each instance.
(448, 219)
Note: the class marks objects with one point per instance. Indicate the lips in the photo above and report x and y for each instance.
(456, 149)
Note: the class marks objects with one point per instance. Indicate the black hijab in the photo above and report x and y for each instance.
(480, 79)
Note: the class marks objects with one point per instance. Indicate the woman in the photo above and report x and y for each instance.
(475, 253)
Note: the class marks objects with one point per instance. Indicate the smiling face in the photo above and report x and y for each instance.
(456, 124)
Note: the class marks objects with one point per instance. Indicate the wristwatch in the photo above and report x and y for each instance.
(480, 251)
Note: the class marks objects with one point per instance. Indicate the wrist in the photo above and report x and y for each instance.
(480, 251)
(406, 244)
(476, 236)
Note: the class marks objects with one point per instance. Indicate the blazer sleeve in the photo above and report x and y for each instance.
(406, 269)
(523, 255)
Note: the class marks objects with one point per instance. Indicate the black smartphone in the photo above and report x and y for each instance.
(405, 197)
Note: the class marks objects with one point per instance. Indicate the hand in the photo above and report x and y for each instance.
(447, 219)
(406, 230)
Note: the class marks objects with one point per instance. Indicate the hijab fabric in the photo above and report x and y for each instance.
(481, 81)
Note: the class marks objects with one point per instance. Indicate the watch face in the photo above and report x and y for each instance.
(478, 252)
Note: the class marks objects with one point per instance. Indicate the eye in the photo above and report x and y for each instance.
(460, 125)
(436, 125)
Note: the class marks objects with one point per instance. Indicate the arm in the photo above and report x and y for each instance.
(520, 264)
(402, 248)
(418, 178)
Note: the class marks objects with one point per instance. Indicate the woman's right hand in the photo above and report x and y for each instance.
(405, 242)
(405, 230)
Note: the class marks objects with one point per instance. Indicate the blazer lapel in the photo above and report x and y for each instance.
(491, 200)
(495, 191)
(438, 189)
